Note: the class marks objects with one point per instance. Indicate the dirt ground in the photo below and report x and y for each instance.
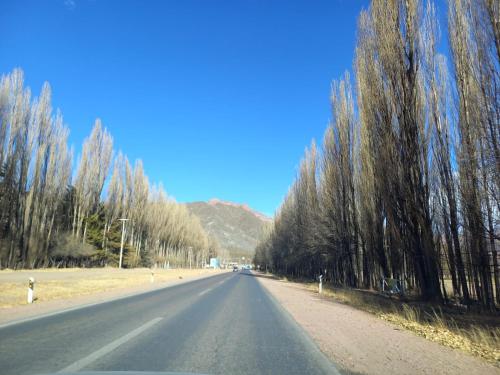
(66, 288)
(360, 343)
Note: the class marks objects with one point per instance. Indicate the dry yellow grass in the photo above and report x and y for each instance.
(479, 340)
(68, 283)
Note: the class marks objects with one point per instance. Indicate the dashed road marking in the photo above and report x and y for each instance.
(78, 365)
(204, 292)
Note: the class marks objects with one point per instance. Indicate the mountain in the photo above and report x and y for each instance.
(237, 227)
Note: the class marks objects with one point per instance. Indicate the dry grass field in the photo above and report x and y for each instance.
(54, 284)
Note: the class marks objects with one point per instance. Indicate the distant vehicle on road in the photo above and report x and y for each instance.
(235, 268)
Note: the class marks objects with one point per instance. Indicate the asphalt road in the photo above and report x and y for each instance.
(224, 324)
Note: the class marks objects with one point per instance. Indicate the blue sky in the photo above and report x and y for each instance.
(218, 98)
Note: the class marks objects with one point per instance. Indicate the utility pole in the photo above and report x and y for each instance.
(121, 245)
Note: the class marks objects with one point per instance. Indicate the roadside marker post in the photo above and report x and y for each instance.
(31, 291)
(320, 284)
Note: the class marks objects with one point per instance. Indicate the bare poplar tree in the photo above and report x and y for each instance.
(93, 169)
(477, 79)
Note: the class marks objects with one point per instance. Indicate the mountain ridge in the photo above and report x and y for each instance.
(236, 226)
(260, 215)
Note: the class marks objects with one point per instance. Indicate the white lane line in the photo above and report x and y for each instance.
(221, 282)
(205, 291)
(209, 289)
(78, 365)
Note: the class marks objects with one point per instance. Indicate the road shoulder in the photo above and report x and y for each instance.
(14, 314)
(361, 343)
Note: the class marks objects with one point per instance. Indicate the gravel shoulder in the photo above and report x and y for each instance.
(58, 290)
(360, 343)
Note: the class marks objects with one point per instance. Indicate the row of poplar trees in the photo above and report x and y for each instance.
(51, 214)
(406, 183)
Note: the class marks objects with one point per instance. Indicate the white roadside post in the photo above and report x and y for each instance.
(320, 284)
(121, 245)
(31, 287)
